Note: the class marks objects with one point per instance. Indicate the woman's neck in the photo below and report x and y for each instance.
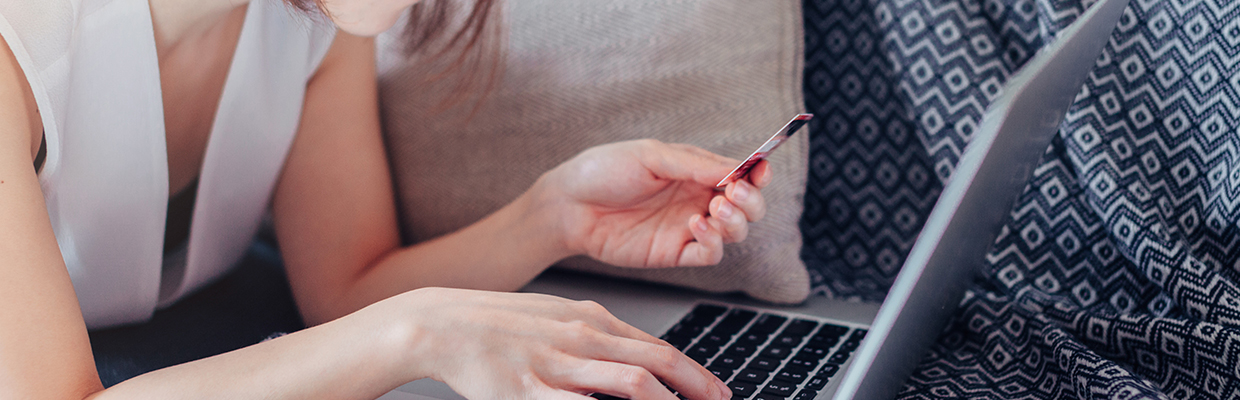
(178, 21)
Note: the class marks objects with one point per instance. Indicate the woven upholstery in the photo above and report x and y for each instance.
(1118, 275)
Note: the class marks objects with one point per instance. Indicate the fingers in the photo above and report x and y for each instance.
(707, 247)
(684, 163)
(675, 368)
(618, 379)
(619, 342)
(761, 174)
(630, 358)
(748, 198)
(731, 219)
(741, 204)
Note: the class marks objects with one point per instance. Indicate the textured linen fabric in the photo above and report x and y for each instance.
(723, 75)
(1117, 276)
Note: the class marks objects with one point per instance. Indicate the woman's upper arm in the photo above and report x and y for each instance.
(44, 348)
(334, 208)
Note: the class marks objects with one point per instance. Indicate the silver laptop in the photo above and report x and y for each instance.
(833, 349)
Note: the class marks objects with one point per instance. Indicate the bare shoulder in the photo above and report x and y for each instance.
(20, 124)
(349, 54)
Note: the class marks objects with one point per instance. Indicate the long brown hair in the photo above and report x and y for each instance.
(429, 36)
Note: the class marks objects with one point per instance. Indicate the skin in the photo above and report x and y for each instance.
(380, 314)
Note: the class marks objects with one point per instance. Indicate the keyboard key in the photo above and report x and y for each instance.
(814, 353)
(743, 389)
(708, 312)
(802, 364)
(838, 358)
(699, 324)
(854, 340)
(828, 370)
(779, 388)
(768, 323)
(728, 362)
(806, 395)
(800, 327)
(825, 342)
(795, 376)
(753, 376)
(742, 350)
(752, 338)
(832, 330)
(713, 338)
(683, 330)
(703, 351)
(734, 321)
(786, 340)
(722, 373)
(764, 364)
(777, 352)
(817, 382)
(764, 396)
(680, 343)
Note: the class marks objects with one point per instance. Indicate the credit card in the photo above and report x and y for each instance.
(741, 171)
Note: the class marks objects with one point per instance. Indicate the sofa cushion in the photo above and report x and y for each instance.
(722, 75)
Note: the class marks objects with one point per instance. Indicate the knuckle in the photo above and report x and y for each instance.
(530, 382)
(633, 379)
(666, 358)
(591, 308)
(579, 331)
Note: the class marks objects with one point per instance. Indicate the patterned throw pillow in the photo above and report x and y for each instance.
(1118, 276)
(722, 75)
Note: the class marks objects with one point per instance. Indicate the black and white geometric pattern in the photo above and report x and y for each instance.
(1119, 273)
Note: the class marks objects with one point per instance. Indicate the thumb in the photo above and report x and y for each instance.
(684, 162)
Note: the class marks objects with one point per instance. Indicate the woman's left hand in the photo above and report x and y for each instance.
(651, 204)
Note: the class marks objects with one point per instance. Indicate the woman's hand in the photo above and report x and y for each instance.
(651, 204)
(489, 345)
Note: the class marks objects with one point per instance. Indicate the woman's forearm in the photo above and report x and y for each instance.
(501, 252)
(357, 357)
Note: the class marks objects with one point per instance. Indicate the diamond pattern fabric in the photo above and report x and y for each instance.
(1118, 275)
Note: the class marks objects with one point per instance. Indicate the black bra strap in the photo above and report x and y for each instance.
(41, 156)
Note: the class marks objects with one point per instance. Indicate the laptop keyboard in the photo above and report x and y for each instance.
(764, 356)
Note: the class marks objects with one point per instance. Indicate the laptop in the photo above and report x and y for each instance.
(829, 349)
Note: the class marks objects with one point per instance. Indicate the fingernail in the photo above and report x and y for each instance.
(740, 193)
(701, 224)
(724, 392)
(725, 210)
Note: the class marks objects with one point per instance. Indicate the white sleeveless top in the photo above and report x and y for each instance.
(95, 75)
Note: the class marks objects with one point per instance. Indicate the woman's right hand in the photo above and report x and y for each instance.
(492, 345)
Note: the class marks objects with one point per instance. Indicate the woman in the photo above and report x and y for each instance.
(108, 107)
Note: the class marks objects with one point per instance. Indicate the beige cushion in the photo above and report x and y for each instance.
(720, 74)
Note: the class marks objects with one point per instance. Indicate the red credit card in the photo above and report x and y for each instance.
(771, 144)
